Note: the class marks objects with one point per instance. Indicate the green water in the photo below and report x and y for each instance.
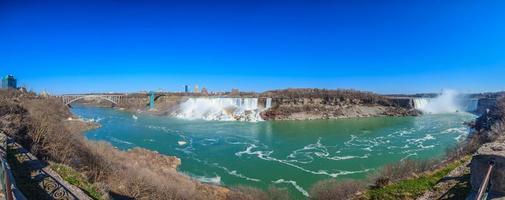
(287, 154)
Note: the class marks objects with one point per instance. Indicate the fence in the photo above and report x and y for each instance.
(9, 189)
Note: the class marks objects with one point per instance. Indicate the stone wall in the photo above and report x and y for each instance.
(405, 102)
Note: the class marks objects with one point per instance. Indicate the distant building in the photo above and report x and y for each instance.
(9, 82)
(204, 91)
(186, 88)
(234, 91)
(196, 89)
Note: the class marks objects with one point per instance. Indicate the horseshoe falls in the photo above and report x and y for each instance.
(447, 102)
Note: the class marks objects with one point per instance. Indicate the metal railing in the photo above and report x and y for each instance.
(484, 186)
(9, 189)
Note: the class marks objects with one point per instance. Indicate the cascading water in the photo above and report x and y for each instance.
(268, 103)
(222, 109)
(420, 103)
(447, 102)
(469, 105)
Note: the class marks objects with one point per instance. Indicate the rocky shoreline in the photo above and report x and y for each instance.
(47, 129)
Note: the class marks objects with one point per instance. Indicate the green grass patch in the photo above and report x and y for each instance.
(412, 188)
(75, 178)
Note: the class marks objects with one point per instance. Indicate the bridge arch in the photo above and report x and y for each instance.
(107, 98)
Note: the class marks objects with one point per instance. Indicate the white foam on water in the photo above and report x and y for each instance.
(412, 154)
(208, 141)
(236, 174)
(98, 119)
(307, 151)
(459, 138)
(462, 130)
(215, 180)
(418, 140)
(367, 149)
(116, 140)
(265, 155)
(294, 184)
(161, 128)
(425, 147)
(188, 146)
(135, 117)
(347, 157)
(305, 154)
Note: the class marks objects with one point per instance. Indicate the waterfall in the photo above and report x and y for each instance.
(268, 103)
(447, 102)
(420, 103)
(469, 105)
(222, 109)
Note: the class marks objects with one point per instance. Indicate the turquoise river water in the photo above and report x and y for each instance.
(287, 154)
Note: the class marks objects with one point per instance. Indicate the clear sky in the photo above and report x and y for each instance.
(381, 46)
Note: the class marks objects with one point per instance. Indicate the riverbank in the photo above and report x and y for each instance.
(446, 178)
(312, 103)
(294, 152)
(42, 126)
(110, 170)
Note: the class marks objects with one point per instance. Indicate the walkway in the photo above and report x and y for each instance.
(36, 179)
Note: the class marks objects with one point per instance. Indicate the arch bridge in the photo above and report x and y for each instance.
(69, 99)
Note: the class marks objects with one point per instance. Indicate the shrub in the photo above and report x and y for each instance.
(332, 189)
(249, 193)
(402, 170)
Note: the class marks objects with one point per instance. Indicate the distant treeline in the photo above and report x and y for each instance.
(340, 94)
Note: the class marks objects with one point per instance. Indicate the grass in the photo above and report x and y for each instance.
(75, 178)
(411, 188)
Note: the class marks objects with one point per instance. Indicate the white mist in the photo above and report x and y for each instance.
(446, 102)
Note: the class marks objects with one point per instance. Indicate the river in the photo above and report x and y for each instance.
(288, 154)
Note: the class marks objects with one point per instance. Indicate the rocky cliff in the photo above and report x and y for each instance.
(299, 104)
(485, 104)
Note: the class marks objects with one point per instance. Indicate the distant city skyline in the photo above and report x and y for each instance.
(384, 47)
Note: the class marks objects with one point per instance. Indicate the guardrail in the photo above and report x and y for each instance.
(7, 182)
(483, 187)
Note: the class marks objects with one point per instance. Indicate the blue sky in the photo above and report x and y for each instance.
(380, 46)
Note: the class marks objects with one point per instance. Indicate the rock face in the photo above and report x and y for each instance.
(485, 103)
(321, 108)
(490, 152)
